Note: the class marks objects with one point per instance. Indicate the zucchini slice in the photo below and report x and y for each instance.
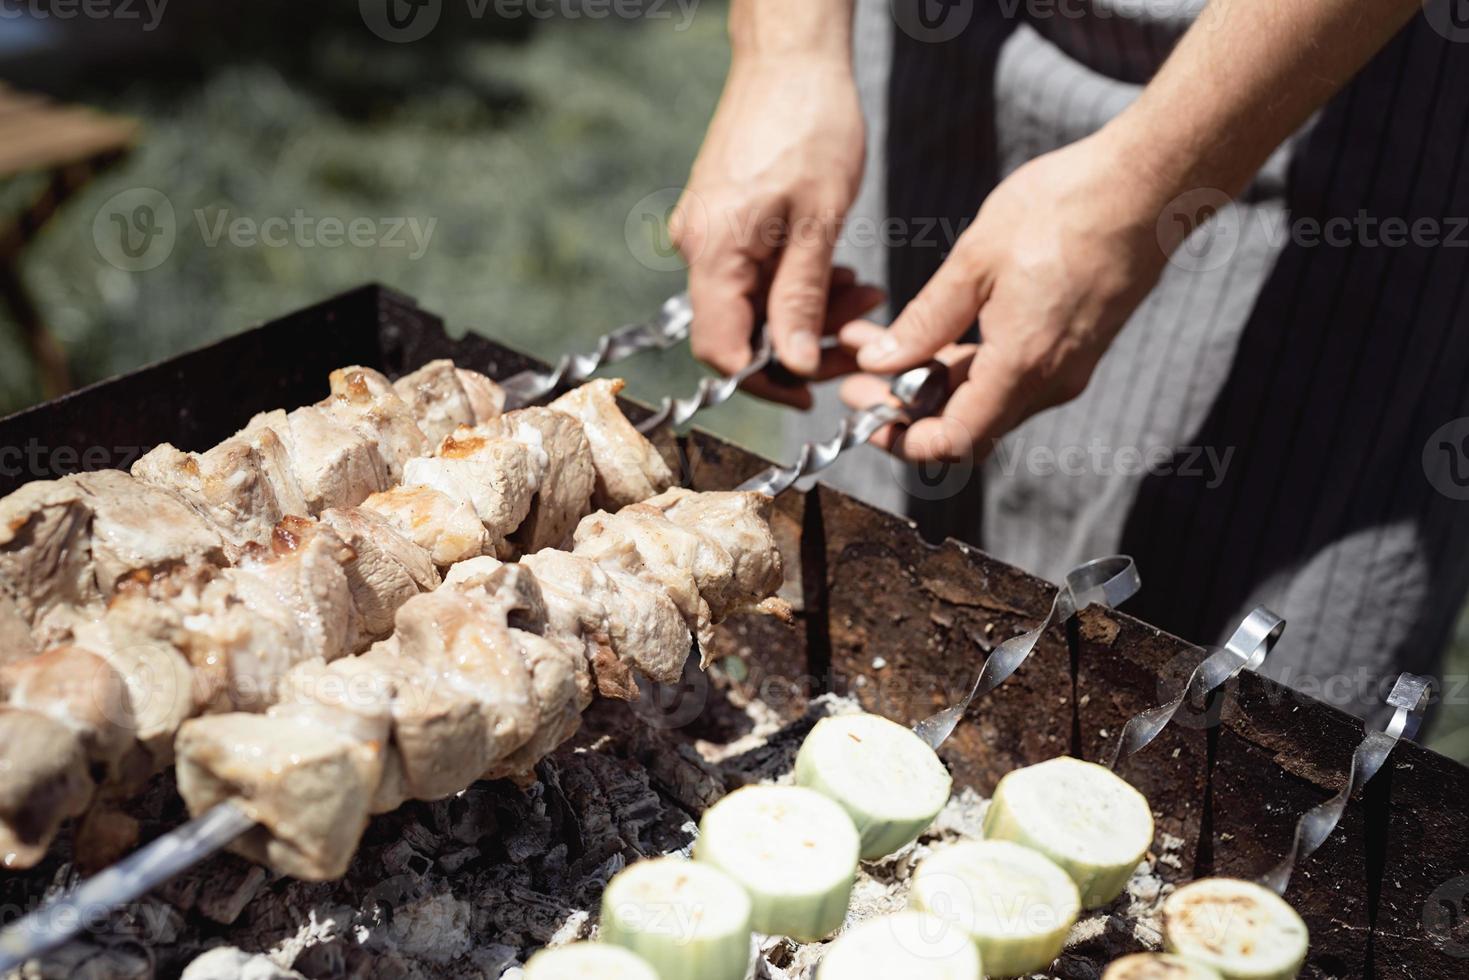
(1015, 903)
(1158, 966)
(588, 961)
(685, 919)
(793, 850)
(910, 945)
(888, 780)
(1083, 817)
(1241, 930)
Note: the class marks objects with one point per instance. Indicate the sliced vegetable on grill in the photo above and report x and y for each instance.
(1243, 931)
(910, 945)
(684, 918)
(588, 961)
(1013, 902)
(1158, 966)
(888, 780)
(793, 850)
(1087, 820)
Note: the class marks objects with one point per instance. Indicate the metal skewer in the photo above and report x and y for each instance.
(921, 392)
(1408, 700)
(1246, 648)
(667, 328)
(1103, 581)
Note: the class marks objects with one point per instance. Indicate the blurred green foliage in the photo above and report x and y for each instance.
(526, 147)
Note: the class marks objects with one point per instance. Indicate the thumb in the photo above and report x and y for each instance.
(796, 308)
(938, 316)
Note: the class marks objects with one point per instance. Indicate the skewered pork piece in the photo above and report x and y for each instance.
(281, 604)
(483, 677)
(444, 397)
(65, 545)
(629, 468)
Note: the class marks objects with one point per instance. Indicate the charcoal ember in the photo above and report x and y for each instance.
(434, 928)
(677, 769)
(470, 815)
(494, 960)
(227, 895)
(524, 916)
(404, 858)
(454, 860)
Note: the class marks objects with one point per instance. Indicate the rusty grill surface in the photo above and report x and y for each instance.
(466, 887)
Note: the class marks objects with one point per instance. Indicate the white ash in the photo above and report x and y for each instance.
(471, 886)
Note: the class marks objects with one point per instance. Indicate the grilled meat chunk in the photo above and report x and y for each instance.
(332, 463)
(386, 570)
(229, 486)
(740, 522)
(78, 689)
(305, 784)
(443, 397)
(692, 570)
(43, 783)
(260, 618)
(46, 549)
(497, 477)
(138, 529)
(447, 528)
(628, 466)
(462, 641)
(365, 401)
(565, 486)
(637, 624)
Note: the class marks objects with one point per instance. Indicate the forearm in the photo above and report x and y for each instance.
(1246, 76)
(791, 28)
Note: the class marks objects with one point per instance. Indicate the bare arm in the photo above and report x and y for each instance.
(1064, 250)
(779, 168)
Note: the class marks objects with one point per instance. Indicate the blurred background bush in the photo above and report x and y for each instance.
(525, 140)
(528, 141)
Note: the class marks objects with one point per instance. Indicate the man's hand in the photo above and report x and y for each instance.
(779, 168)
(1060, 255)
(1064, 249)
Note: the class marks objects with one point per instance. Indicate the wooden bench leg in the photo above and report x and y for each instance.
(46, 353)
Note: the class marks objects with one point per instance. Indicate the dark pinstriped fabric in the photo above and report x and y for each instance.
(1315, 372)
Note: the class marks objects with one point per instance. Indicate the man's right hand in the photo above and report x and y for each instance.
(758, 222)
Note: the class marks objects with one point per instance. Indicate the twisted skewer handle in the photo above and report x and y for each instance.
(1408, 700)
(710, 393)
(667, 328)
(1104, 581)
(1247, 648)
(920, 392)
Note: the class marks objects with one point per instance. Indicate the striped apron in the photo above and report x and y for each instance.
(1285, 420)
